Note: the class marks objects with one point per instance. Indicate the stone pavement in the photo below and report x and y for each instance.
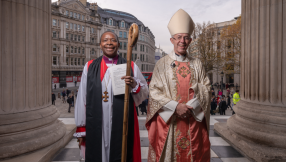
(221, 151)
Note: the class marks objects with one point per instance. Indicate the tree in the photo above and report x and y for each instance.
(206, 46)
(231, 36)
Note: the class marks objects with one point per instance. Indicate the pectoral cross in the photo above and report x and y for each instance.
(105, 96)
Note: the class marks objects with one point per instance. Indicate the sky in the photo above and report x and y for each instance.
(156, 14)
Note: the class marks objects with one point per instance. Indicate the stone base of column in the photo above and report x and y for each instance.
(46, 154)
(257, 131)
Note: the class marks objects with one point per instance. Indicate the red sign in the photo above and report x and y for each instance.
(56, 79)
(69, 79)
(78, 78)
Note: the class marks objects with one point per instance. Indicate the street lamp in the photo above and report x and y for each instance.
(221, 74)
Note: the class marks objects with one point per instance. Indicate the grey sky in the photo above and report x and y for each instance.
(156, 13)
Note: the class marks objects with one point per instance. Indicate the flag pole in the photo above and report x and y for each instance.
(132, 40)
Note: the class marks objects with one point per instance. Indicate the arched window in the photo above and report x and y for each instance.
(110, 22)
(122, 24)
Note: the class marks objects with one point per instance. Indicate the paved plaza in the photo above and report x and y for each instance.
(221, 151)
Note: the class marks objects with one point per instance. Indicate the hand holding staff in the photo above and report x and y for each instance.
(132, 40)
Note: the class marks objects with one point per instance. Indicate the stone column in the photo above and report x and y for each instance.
(259, 127)
(28, 121)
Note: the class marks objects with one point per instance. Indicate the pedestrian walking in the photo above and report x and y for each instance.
(53, 98)
(72, 97)
(213, 105)
(68, 92)
(59, 95)
(143, 107)
(69, 100)
(228, 102)
(220, 93)
(227, 92)
(64, 96)
(55, 86)
(236, 98)
(222, 106)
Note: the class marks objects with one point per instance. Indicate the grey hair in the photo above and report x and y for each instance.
(109, 32)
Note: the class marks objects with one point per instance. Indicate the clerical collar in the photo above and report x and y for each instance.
(109, 60)
(180, 57)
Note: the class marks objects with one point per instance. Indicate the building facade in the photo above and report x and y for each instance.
(143, 53)
(75, 34)
(159, 53)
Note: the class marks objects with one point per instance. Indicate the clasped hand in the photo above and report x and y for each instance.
(183, 110)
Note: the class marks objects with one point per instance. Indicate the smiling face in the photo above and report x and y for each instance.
(181, 43)
(109, 44)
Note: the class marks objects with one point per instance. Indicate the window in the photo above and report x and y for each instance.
(75, 49)
(67, 35)
(71, 49)
(83, 38)
(218, 45)
(125, 55)
(82, 28)
(54, 48)
(92, 51)
(135, 47)
(74, 15)
(54, 34)
(125, 35)
(74, 26)
(71, 61)
(75, 61)
(67, 13)
(125, 46)
(120, 54)
(70, 14)
(78, 16)
(54, 60)
(92, 40)
(75, 37)
(78, 61)
(82, 17)
(122, 24)
(110, 22)
(67, 61)
(82, 50)
(78, 27)
(71, 25)
(79, 50)
(142, 28)
(141, 57)
(120, 34)
(143, 48)
(92, 30)
(71, 36)
(120, 46)
(67, 25)
(135, 57)
(67, 49)
(54, 22)
(78, 38)
(83, 61)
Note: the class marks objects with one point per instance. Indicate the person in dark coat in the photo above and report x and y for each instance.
(53, 98)
(69, 101)
(213, 105)
(143, 107)
(228, 102)
(222, 106)
(64, 96)
(68, 92)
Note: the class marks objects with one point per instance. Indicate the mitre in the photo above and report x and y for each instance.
(181, 22)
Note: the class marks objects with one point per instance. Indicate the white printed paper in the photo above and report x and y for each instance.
(118, 85)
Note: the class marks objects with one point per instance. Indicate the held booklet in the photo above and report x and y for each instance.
(118, 85)
(197, 111)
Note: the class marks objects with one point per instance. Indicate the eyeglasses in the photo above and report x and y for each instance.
(180, 38)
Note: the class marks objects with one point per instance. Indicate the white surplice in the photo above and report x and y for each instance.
(80, 116)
